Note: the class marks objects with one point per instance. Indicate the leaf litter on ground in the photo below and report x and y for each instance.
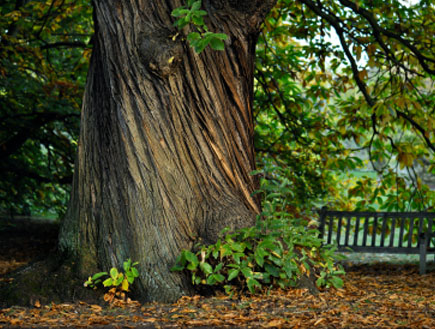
(374, 296)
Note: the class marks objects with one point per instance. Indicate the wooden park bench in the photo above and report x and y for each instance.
(380, 232)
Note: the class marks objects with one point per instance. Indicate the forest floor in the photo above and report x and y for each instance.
(379, 292)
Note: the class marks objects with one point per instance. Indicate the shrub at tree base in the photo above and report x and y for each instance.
(277, 252)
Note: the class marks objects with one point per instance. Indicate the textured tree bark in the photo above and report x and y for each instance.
(166, 143)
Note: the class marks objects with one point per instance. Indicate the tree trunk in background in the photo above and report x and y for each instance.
(166, 144)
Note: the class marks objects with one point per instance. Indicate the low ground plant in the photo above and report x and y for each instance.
(278, 251)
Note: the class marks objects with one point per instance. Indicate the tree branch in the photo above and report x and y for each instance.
(72, 44)
(377, 30)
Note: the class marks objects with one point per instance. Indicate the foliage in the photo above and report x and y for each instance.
(44, 53)
(118, 282)
(346, 103)
(276, 252)
(344, 99)
(191, 14)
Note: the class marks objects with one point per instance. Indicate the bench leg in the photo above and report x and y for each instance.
(423, 253)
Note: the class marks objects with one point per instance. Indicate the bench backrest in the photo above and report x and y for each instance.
(396, 232)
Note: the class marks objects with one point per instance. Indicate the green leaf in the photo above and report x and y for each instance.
(193, 36)
(201, 13)
(336, 282)
(192, 266)
(219, 277)
(220, 36)
(237, 247)
(127, 265)
(272, 270)
(98, 275)
(114, 273)
(119, 279)
(180, 11)
(320, 282)
(232, 274)
(219, 267)
(247, 272)
(211, 280)
(108, 282)
(134, 272)
(177, 268)
(206, 268)
(192, 258)
(196, 5)
(252, 283)
(198, 20)
(199, 45)
(130, 278)
(217, 44)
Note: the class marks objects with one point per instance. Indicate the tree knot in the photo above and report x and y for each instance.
(160, 51)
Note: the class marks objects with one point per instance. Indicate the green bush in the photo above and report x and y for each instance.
(277, 252)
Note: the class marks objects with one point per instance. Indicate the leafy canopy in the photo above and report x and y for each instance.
(344, 99)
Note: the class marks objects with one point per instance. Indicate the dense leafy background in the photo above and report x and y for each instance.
(44, 55)
(344, 102)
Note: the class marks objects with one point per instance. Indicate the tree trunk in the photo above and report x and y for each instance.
(166, 142)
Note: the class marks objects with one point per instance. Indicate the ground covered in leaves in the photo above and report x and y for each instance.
(375, 295)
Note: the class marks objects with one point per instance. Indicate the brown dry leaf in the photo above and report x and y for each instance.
(195, 323)
(15, 322)
(96, 308)
(319, 321)
(150, 320)
(108, 297)
(231, 315)
(178, 316)
(274, 323)
(37, 304)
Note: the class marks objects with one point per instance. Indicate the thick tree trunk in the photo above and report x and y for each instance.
(166, 142)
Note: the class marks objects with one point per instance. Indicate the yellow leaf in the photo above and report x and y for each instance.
(125, 285)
